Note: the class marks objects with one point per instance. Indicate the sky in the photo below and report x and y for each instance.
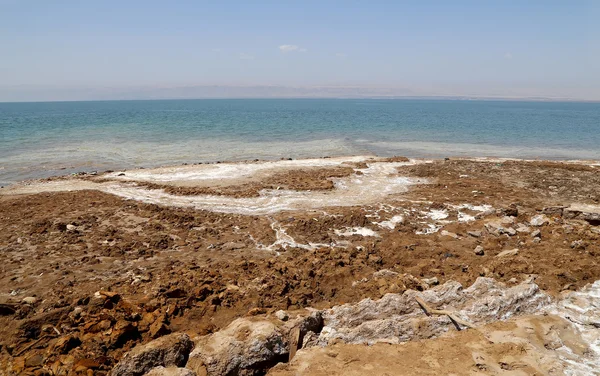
(55, 50)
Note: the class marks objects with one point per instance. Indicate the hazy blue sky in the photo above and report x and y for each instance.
(521, 48)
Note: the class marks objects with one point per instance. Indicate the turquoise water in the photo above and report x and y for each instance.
(44, 139)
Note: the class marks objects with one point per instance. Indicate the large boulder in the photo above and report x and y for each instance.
(250, 345)
(168, 351)
(245, 346)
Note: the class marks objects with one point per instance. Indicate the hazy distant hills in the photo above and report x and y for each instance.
(27, 93)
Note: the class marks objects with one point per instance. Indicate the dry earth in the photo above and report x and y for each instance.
(91, 266)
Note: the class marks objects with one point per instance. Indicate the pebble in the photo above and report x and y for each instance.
(282, 315)
(448, 233)
(475, 234)
(431, 281)
(479, 251)
(71, 227)
(29, 300)
(536, 234)
(508, 252)
(77, 311)
(539, 220)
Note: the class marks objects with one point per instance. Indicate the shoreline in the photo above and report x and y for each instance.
(200, 165)
(246, 251)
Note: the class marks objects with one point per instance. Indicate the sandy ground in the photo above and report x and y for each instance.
(191, 248)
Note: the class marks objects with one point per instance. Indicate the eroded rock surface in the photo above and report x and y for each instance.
(170, 350)
(397, 318)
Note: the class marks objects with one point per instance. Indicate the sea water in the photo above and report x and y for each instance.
(45, 139)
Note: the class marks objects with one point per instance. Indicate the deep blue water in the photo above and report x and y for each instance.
(43, 139)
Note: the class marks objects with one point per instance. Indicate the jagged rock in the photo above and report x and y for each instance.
(397, 318)
(64, 344)
(246, 344)
(536, 234)
(539, 220)
(32, 327)
(159, 328)
(170, 350)
(589, 213)
(249, 345)
(170, 371)
(122, 332)
(554, 210)
(511, 211)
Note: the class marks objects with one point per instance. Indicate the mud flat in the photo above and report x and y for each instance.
(357, 265)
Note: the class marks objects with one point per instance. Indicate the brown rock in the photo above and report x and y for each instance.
(65, 344)
(159, 328)
(87, 363)
(34, 361)
(122, 332)
(147, 319)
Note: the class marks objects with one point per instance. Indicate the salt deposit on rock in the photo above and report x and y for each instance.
(397, 318)
(362, 231)
(391, 223)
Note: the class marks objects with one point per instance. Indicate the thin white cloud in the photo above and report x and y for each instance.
(340, 54)
(217, 49)
(291, 48)
(245, 56)
(508, 55)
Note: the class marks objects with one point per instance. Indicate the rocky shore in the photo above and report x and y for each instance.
(346, 266)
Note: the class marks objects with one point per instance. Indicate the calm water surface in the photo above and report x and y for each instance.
(44, 139)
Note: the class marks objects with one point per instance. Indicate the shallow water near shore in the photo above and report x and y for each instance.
(45, 139)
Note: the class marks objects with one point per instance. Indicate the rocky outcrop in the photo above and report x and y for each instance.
(171, 350)
(397, 318)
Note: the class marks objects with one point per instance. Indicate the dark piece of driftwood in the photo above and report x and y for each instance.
(455, 319)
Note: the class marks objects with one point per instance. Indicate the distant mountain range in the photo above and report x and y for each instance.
(45, 93)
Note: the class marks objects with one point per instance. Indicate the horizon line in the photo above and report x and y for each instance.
(375, 97)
